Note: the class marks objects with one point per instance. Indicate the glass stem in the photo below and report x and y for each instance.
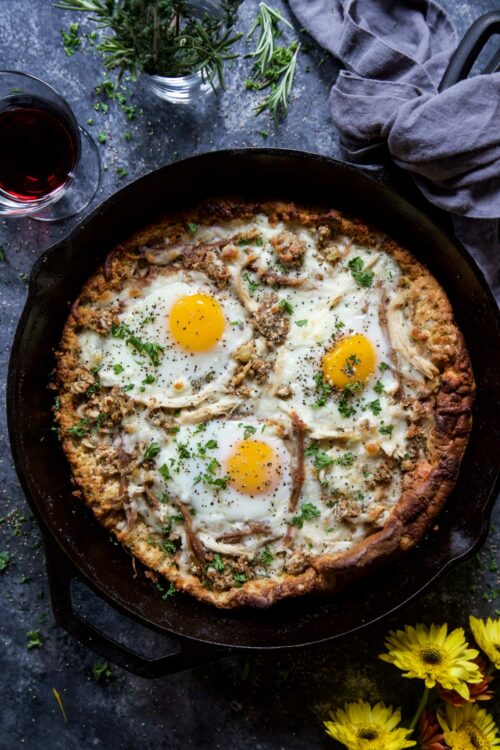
(421, 706)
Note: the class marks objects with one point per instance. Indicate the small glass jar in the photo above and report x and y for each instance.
(187, 89)
(180, 89)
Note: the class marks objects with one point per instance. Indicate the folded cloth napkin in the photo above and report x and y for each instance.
(396, 53)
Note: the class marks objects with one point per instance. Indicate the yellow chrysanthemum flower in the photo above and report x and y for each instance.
(363, 727)
(487, 637)
(468, 728)
(433, 655)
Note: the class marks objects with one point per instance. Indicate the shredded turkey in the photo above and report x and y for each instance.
(400, 339)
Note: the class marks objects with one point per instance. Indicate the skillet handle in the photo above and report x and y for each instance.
(60, 573)
(469, 48)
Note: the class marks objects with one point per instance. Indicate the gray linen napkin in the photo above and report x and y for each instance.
(395, 53)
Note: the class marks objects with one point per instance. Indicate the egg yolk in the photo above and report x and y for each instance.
(197, 322)
(253, 468)
(351, 360)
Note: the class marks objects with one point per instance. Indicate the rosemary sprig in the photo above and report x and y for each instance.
(278, 97)
(161, 37)
(267, 21)
(275, 66)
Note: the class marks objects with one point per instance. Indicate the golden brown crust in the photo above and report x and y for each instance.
(426, 485)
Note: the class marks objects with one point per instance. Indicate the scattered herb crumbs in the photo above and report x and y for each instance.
(321, 459)
(285, 306)
(375, 407)
(151, 451)
(385, 429)
(252, 285)
(78, 430)
(192, 227)
(307, 512)
(347, 459)
(165, 472)
(383, 366)
(201, 428)
(240, 578)
(34, 639)
(266, 557)
(166, 593)
(378, 388)
(361, 277)
(217, 563)
(323, 389)
(101, 672)
(121, 172)
(339, 325)
(128, 387)
(248, 430)
(148, 380)
(117, 369)
(71, 39)
(102, 138)
(301, 323)
(4, 561)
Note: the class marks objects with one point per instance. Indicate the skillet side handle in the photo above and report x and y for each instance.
(469, 48)
(60, 573)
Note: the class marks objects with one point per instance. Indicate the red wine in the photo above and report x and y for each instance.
(39, 146)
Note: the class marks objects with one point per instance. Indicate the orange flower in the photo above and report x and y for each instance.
(479, 691)
(430, 733)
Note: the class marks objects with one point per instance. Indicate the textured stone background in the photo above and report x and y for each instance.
(241, 701)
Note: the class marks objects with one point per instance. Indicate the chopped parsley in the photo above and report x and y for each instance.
(79, 430)
(209, 445)
(248, 430)
(201, 428)
(266, 557)
(153, 350)
(120, 331)
(170, 547)
(117, 369)
(121, 172)
(301, 323)
(208, 478)
(71, 39)
(102, 138)
(375, 406)
(148, 380)
(4, 561)
(339, 325)
(34, 639)
(217, 563)
(346, 409)
(166, 593)
(307, 512)
(244, 240)
(128, 387)
(347, 459)
(323, 389)
(101, 672)
(192, 227)
(378, 387)
(240, 578)
(252, 285)
(321, 459)
(165, 472)
(151, 451)
(285, 306)
(361, 277)
(383, 366)
(385, 429)
(183, 451)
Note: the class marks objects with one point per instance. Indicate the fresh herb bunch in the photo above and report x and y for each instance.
(161, 37)
(274, 66)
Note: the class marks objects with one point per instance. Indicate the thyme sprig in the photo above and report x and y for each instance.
(161, 37)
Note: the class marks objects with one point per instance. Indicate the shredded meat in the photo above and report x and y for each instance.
(196, 545)
(98, 320)
(270, 321)
(253, 527)
(204, 258)
(275, 279)
(289, 248)
(299, 430)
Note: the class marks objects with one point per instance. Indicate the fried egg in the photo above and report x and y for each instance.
(173, 343)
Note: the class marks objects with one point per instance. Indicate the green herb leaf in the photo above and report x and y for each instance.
(301, 323)
(361, 277)
(321, 459)
(165, 472)
(378, 387)
(266, 557)
(385, 429)
(217, 563)
(151, 451)
(375, 407)
(117, 369)
(192, 227)
(285, 306)
(383, 366)
(101, 672)
(347, 459)
(34, 639)
(4, 561)
(308, 511)
(252, 285)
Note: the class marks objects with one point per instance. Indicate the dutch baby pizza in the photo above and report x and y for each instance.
(262, 401)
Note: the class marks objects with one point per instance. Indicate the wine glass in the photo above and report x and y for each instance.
(50, 167)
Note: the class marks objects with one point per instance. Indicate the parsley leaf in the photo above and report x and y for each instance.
(252, 285)
(307, 512)
(165, 472)
(347, 459)
(101, 672)
(248, 430)
(266, 557)
(361, 277)
(34, 639)
(192, 227)
(117, 369)
(386, 429)
(378, 387)
(301, 323)
(321, 459)
(240, 578)
(324, 390)
(217, 563)
(285, 306)
(383, 366)
(151, 451)
(4, 561)
(375, 406)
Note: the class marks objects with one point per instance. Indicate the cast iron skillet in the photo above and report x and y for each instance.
(78, 547)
